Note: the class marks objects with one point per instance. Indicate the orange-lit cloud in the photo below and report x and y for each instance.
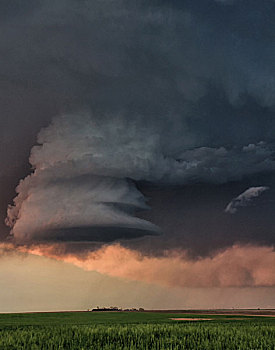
(237, 266)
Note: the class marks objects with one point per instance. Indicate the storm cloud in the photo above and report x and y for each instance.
(172, 93)
(84, 173)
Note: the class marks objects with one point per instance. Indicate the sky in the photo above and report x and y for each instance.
(137, 154)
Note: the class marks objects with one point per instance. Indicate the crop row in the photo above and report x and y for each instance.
(141, 336)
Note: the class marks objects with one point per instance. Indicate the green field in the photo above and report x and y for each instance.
(134, 330)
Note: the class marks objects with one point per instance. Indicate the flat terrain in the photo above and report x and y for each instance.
(244, 312)
(92, 318)
(136, 330)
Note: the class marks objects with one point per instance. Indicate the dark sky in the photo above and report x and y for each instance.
(172, 100)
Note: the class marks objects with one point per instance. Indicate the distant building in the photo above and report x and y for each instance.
(115, 308)
(111, 308)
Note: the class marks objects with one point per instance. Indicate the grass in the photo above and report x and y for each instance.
(129, 330)
(88, 318)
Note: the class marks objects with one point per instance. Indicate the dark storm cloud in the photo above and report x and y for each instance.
(175, 92)
(192, 217)
(92, 234)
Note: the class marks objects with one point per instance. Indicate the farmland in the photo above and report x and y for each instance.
(135, 330)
